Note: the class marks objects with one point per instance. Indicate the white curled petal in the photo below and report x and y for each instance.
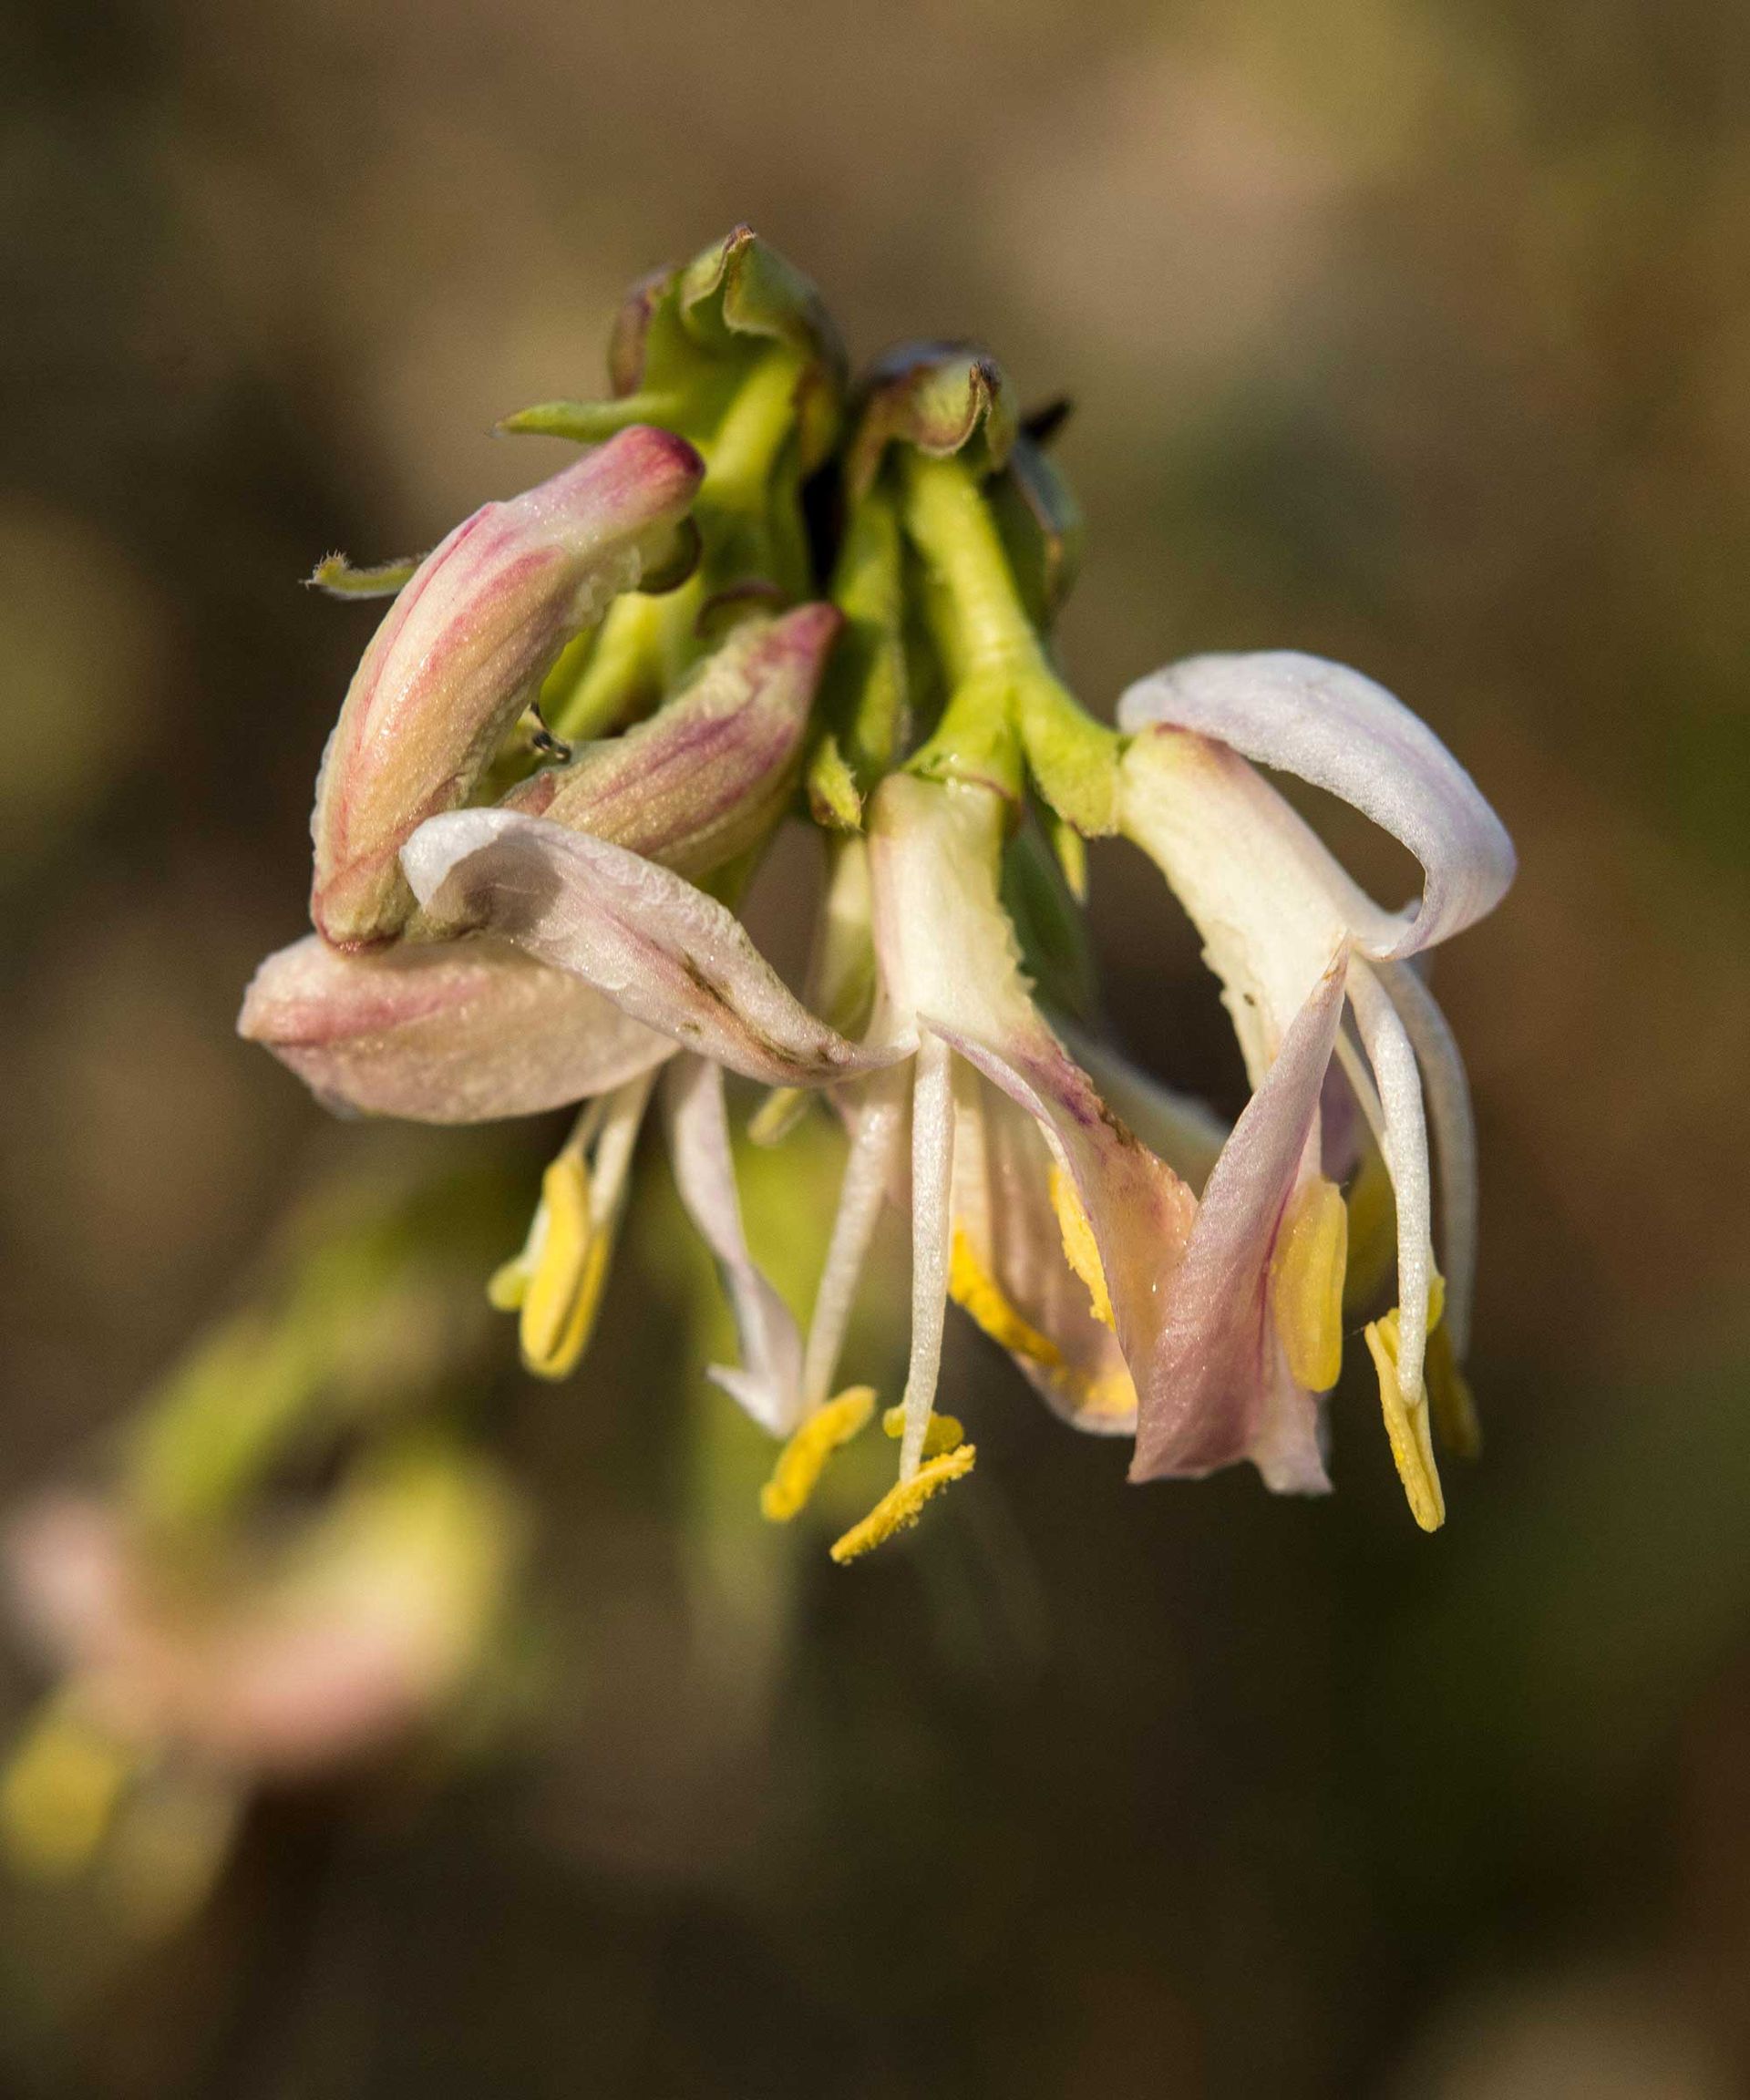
(663, 952)
(1220, 1395)
(1263, 890)
(1341, 731)
(1454, 1128)
(1387, 1044)
(768, 1384)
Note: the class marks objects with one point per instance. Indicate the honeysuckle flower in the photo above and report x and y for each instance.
(1253, 1331)
(463, 650)
(1032, 1204)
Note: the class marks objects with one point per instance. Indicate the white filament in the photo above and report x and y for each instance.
(933, 1176)
(868, 1174)
(1390, 1053)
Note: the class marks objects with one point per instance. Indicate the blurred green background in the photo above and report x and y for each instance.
(1415, 333)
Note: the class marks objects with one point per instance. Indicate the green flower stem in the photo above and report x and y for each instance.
(997, 660)
(619, 673)
(741, 453)
(952, 526)
(866, 696)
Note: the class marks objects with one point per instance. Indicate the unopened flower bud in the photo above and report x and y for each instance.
(463, 649)
(701, 781)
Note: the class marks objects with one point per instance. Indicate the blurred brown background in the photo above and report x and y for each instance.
(1412, 332)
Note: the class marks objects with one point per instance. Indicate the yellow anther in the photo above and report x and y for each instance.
(1306, 1279)
(567, 1267)
(898, 1510)
(1450, 1399)
(1372, 1234)
(1406, 1424)
(804, 1458)
(1079, 1247)
(971, 1286)
(59, 1794)
(508, 1285)
(944, 1434)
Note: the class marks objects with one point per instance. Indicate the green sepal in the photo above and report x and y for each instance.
(833, 800)
(688, 336)
(595, 422)
(1070, 850)
(865, 693)
(743, 287)
(337, 577)
(974, 741)
(1073, 758)
(1049, 925)
(944, 398)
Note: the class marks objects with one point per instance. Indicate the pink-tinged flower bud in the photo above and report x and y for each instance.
(464, 649)
(699, 783)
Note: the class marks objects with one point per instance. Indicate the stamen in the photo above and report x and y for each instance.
(564, 1288)
(803, 1459)
(898, 1510)
(932, 1181)
(944, 1433)
(861, 1193)
(1080, 1249)
(1451, 1401)
(1372, 1233)
(1406, 1424)
(1389, 1052)
(557, 1280)
(1306, 1275)
(972, 1287)
(1108, 1396)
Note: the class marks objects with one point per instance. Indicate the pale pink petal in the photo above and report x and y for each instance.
(1185, 1132)
(768, 1383)
(1341, 731)
(1218, 1393)
(441, 1032)
(666, 953)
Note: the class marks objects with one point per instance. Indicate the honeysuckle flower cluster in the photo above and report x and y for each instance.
(764, 591)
